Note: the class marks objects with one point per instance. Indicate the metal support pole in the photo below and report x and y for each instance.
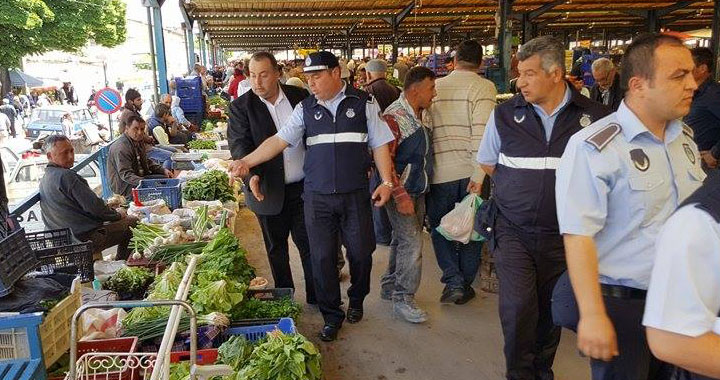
(653, 21)
(153, 66)
(715, 37)
(203, 49)
(395, 41)
(505, 43)
(160, 51)
(189, 37)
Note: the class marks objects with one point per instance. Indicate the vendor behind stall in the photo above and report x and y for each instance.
(66, 200)
(163, 128)
(128, 162)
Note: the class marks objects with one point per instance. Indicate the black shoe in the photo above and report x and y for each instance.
(354, 315)
(468, 294)
(451, 295)
(329, 332)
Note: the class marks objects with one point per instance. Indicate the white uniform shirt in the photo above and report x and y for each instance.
(684, 293)
(294, 156)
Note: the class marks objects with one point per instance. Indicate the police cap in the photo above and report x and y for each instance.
(321, 60)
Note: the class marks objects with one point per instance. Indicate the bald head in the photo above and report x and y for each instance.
(166, 99)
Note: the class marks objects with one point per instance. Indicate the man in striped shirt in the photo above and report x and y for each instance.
(458, 115)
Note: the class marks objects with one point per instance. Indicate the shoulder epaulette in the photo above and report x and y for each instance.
(688, 131)
(601, 138)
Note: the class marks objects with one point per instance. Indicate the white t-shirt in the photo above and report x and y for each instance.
(684, 292)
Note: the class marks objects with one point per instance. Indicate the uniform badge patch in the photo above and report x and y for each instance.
(318, 115)
(308, 61)
(519, 117)
(640, 159)
(585, 120)
(690, 154)
(350, 113)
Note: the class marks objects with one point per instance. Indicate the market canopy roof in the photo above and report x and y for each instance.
(20, 79)
(292, 23)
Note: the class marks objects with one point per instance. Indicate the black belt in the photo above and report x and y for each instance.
(624, 292)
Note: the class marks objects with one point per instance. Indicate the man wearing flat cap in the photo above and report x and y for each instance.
(337, 124)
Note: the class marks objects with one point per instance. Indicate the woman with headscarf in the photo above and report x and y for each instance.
(235, 82)
(178, 112)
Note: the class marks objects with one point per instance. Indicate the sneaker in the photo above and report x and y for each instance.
(468, 294)
(450, 295)
(386, 293)
(406, 308)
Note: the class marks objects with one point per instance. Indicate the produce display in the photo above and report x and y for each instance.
(253, 308)
(218, 291)
(283, 357)
(212, 185)
(202, 144)
(129, 282)
(218, 102)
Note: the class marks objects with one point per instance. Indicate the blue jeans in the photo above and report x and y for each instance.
(405, 262)
(458, 262)
(161, 156)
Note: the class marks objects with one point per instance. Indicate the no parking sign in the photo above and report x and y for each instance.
(108, 100)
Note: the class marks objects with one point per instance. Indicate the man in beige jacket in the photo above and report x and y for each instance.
(458, 115)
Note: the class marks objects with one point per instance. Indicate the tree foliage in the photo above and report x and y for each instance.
(38, 26)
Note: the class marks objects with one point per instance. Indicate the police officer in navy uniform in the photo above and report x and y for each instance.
(337, 124)
(520, 149)
(618, 182)
(683, 301)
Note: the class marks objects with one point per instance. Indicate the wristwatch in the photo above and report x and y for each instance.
(388, 184)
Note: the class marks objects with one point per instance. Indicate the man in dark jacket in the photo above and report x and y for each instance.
(385, 94)
(128, 162)
(607, 88)
(274, 192)
(378, 86)
(10, 112)
(67, 200)
(704, 116)
(133, 104)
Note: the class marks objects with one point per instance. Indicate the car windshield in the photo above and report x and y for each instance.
(81, 115)
(34, 172)
(48, 116)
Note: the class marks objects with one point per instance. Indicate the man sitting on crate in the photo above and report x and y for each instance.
(67, 201)
(128, 162)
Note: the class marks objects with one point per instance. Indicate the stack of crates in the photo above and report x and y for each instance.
(190, 92)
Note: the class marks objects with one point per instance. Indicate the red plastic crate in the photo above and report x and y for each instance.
(204, 357)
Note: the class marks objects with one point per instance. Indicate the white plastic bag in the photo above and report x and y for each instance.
(459, 223)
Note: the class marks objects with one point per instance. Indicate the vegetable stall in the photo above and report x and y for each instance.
(184, 251)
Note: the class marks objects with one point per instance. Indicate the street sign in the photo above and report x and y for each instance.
(108, 100)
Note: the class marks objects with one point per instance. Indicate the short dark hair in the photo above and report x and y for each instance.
(131, 95)
(51, 140)
(134, 118)
(416, 75)
(703, 56)
(259, 56)
(469, 51)
(161, 110)
(639, 58)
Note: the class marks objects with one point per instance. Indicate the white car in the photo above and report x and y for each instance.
(24, 177)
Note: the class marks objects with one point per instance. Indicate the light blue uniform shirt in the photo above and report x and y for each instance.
(379, 132)
(623, 202)
(489, 150)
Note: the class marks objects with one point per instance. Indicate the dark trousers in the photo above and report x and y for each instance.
(276, 229)
(635, 362)
(109, 235)
(528, 266)
(381, 221)
(459, 262)
(325, 216)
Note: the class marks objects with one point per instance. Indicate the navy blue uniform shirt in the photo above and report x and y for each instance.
(704, 117)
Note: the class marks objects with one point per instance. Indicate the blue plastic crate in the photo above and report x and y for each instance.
(194, 105)
(188, 87)
(255, 333)
(167, 189)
